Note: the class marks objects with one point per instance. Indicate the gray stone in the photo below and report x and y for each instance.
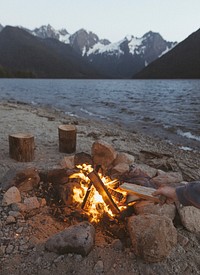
(117, 245)
(152, 236)
(190, 218)
(15, 214)
(31, 203)
(77, 239)
(9, 249)
(99, 267)
(12, 195)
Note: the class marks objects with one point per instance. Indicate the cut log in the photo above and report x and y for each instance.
(21, 147)
(67, 138)
(139, 191)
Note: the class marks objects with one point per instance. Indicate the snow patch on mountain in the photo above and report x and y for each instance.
(110, 49)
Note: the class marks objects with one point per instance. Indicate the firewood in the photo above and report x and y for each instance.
(21, 147)
(139, 191)
(67, 138)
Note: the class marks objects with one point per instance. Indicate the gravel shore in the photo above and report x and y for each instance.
(43, 124)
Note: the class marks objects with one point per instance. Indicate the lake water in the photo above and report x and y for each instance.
(169, 109)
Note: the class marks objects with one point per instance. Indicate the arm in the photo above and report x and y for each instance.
(187, 195)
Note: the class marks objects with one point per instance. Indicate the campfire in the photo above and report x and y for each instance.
(97, 194)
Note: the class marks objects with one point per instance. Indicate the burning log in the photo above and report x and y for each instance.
(101, 188)
(21, 147)
(67, 138)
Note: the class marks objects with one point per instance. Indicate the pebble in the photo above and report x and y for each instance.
(10, 220)
(9, 248)
(99, 267)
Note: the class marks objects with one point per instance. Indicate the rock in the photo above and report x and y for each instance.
(67, 162)
(119, 169)
(124, 158)
(150, 171)
(7, 179)
(117, 245)
(27, 179)
(15, 214)
(168, 178)
(10, 220)
(190, 218)
(182, 240)
(103, 154)
(77, 239)
(31, 203)
(99, 267)
(12, 195)
(147, 207)
(9, 249)
(19, 207)
(137, 176)
(152, 236)
(55, 176)
(158, 160)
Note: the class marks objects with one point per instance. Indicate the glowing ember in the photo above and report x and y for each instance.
(94, 202)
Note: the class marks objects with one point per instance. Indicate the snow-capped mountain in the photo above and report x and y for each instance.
(121, 59)
(128, 56)
(49, 32)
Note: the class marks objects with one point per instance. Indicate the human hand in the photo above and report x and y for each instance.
(168, 192)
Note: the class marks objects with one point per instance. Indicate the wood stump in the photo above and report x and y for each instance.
(67, 138)
(21, 147)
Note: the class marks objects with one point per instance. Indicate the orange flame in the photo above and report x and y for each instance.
(96, 206)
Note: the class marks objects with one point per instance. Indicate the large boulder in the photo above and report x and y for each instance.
(152, 236)
(77, 239)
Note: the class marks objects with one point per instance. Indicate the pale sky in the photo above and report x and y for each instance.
(175, 20)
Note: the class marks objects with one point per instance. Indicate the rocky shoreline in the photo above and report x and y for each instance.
(22, 238)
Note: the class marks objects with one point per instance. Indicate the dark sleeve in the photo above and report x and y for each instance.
(189, 194)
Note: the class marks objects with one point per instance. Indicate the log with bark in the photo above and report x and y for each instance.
(21, 147)
(67, 138)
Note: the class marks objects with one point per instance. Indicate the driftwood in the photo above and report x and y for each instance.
(67, 138)
(139, 192)
(21, 147)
